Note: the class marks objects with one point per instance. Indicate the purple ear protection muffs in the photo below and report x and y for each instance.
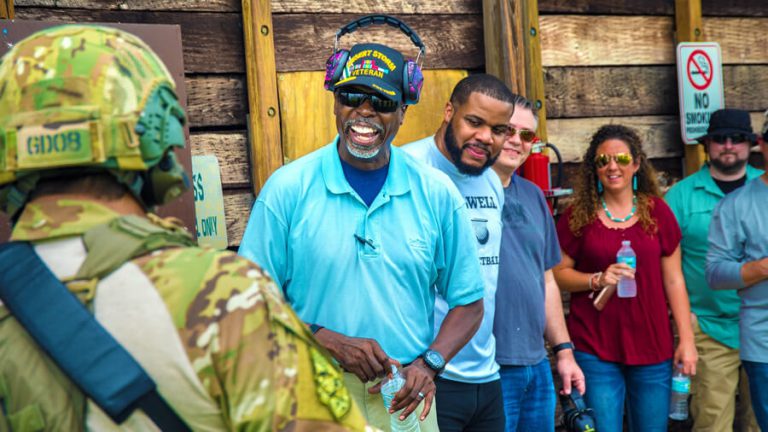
(413, 79)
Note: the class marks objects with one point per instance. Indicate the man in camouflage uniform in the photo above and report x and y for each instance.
(88, 122)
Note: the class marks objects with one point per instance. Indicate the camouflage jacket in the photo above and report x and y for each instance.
(248, 353)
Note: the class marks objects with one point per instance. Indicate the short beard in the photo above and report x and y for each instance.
(728, 169)
(456, 153)
(363, 153)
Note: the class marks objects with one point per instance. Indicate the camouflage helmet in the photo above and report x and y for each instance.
(78, 98)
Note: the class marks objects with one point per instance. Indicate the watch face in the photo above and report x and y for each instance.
(434, 359)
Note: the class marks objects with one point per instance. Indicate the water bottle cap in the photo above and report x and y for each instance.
(625, 242)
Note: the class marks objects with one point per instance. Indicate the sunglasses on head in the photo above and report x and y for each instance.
(526, 135)
(354, 99)
(735, 138)
(604, 159)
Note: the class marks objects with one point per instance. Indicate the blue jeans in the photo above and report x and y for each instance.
(529, 397)
(757, 373)
(646, 389)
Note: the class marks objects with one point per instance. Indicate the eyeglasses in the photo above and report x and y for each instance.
(604, 159)
(526, 135)
(354, 99)
(735, 139)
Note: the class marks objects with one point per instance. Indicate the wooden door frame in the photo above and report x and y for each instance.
(513, 50)
(266, 151)
(689, 28)
(6, 9)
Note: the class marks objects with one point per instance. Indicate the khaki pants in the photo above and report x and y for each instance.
(372, 406)
(718, 376)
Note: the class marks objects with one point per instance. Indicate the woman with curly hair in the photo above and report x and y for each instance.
(625, 349)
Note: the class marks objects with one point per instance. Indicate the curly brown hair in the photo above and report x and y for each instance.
(586, 198)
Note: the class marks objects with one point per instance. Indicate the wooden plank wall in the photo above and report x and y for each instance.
(614, 61)
(605, 60)
(212, 35)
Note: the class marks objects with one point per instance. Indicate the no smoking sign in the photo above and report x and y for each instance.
(699, 68)
(700, 86)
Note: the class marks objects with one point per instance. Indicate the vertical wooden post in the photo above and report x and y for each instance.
(6, 9)
(504, 49)
(264, 117)
(534, 69)
(688, 28)
(513, 50)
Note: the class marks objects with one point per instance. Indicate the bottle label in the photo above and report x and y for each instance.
(628, 260)
(681, 384)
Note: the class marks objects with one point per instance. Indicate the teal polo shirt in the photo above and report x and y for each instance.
(693, 200)
(366, 271)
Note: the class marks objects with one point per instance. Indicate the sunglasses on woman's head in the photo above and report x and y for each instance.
(604, 159)
(354, 99)
(526, 135)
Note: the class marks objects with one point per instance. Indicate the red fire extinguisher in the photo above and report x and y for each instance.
(537, 169)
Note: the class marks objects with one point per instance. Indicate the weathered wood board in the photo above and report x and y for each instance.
(306, 110)
(418, 7)
(642, 90)
(138, 5)
(230, 148)
(583, 40)
(212, 42)
(747, 8)
(237, 205)
(303, 42)
(216, 100)
(390, 7)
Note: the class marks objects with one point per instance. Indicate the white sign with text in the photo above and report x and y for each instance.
(210, 225)
(700, 86)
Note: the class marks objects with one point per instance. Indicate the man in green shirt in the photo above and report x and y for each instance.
(716, 313)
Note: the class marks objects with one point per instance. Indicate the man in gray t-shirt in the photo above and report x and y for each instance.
(737, 258)
(528, 303)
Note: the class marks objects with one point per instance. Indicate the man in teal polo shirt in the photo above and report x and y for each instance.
(716, 327)
(357, 234)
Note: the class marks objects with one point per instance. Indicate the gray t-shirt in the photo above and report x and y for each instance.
(529, 247)
(484, 197)
(738, 234)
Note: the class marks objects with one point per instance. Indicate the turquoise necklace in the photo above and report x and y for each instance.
(620, 220)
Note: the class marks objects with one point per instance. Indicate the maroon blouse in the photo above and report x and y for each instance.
(632, 331)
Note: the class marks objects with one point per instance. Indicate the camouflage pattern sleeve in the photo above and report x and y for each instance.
(253, 355)
(49, 401)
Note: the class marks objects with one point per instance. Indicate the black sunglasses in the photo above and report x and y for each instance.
(735, 138)
(526, 135)
(354, 99)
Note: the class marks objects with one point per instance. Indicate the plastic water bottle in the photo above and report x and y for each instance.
(678, 402)
(627, 287)
(388, 391)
